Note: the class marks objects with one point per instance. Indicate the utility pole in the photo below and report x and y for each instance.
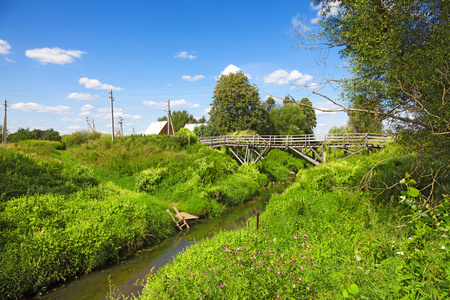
(112, 115)
(4, 127)
(133, 131)
(169, 118)
(88, 125)
(121, 128)
(93, 126)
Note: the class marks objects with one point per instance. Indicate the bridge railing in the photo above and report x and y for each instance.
(356, 139)
(305, 140)
(264, 140)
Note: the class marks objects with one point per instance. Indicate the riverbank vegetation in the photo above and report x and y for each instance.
(334, 234)
(67, 212)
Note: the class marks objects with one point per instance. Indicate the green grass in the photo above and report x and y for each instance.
(363, 244)
(65, 213)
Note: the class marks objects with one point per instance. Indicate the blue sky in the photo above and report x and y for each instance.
(59, 59)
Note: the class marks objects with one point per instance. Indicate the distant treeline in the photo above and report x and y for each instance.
(23, 134)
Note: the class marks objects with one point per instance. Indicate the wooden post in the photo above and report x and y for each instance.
(257, 220)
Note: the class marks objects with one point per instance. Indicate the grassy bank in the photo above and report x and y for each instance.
(68, 212)
(325, 237)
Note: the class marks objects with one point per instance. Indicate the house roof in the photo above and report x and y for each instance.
(155, 128)
(192, 126)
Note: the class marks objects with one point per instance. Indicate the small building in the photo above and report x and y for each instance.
(159, 128)
(192, 126)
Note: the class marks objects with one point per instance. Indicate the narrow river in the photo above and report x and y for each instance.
(125, 274)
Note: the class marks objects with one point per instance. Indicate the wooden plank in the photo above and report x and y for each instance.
(187, 216)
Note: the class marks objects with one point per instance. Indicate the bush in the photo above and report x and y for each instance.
(147, 180)
(80, 137)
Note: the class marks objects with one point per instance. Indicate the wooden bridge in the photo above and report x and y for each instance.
(253, 148)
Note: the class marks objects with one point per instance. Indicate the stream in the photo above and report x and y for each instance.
(126, 273)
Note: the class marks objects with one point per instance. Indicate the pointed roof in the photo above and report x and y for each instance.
(157, 128)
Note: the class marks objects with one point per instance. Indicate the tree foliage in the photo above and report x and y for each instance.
(291, 118)
(236, 105)
(398, 52)
(205, 130)
(23, 134)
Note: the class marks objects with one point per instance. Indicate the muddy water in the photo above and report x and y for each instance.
(124, 275)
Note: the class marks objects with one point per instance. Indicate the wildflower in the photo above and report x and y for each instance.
(400, 253)
(221, 286)
(265, 228)
(443, 247)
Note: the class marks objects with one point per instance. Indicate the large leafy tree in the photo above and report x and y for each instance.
(236, 105)
(398, 53)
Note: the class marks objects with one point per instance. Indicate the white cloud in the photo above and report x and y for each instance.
(282, 77)
(75, 127)
(313, 85)
(232, 69)
(116, 115)
(71, 120)
(108, 109)
(34, 107)
(87, 107)
(54, 55)
(184, 54)
(206, 111)
(5, 47)
(192, 78)
(82, 96)
(330, 9)
(183, 103)
(173, 104)
(85, 113)
(97, 85)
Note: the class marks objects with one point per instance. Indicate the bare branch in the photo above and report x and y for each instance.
(346, 109)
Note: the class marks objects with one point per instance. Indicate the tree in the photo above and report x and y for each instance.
(179, 119)
(236, 105)
(23, 134)
(205, 130)
(289, 119)
(398, 53)
(341, 129)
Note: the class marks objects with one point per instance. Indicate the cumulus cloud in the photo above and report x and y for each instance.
(192, 78)
(282, 77)
(75, 127)
(71, 120)
(97, 85)
(5, 48)
(232, 69)
(206, 111)
(330, 9)
(82, 96)
(173, 104)
(34, 107)
(184, 54)
(54, 55)
(313, 85)
(116, 115)
(87, 107)
(108, 109)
